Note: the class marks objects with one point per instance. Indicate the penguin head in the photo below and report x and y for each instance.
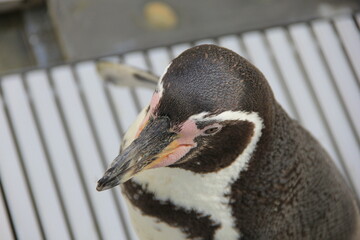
(210, 107)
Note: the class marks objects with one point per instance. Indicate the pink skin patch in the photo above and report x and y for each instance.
(153, 103)
(173, 157)
(181, 146)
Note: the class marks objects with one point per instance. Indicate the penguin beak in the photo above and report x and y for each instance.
(149, 150)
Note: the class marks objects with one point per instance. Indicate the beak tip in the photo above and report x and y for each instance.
(99, 187)
(102, 184)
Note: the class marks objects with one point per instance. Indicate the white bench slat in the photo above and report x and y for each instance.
(160, 59)
(137, 59)
(312, 94)
(105, 127)
(357, 17)
(295, 80)
(100, 112)
(123, 103)
(334, 113)
(5, 226)
(41, 182)
(126, 111)
(177, 49)
(66, 172)
(232, 42)
(205, 41)
(350, 36)
(125, 107)
(14, 183)
(260, 57)
(340, 69)
(103, 203)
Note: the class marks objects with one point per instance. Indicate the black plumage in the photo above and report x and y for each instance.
(290, 190)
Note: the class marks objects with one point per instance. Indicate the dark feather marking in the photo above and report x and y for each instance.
(291, 189)
(216, 152)
(192, 223)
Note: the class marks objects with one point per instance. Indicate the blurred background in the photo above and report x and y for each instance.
(41, 33)
(61, 124)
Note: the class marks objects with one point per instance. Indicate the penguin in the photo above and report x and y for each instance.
(214, 156)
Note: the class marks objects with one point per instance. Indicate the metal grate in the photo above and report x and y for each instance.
(61, 126)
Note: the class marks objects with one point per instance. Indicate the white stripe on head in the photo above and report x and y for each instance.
(228, 116)
(208, 193)
(160, 87)
(130, 135)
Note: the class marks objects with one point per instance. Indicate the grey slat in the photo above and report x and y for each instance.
(350, 36)
(232, 42)
(121, 98)
(75, 123)
(160, 59)
(340, 69)
(205, 41)
(92, 168)
(326, 94)
(260, 57)
(137, 59)
(99, 109)
(357, 17)
(15, 184)
(177, 49)
(124, 111)
(107, 133)
(66, 172)
(41, 181)
(5, 225)
(299, 90)
(126, 108)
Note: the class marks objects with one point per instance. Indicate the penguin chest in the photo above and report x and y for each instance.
(152, 228)
(172, 203)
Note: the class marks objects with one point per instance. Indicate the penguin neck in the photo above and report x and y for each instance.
(280, 137)
(276, 121)
(279, 129)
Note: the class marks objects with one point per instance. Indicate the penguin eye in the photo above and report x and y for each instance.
(211, 130)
